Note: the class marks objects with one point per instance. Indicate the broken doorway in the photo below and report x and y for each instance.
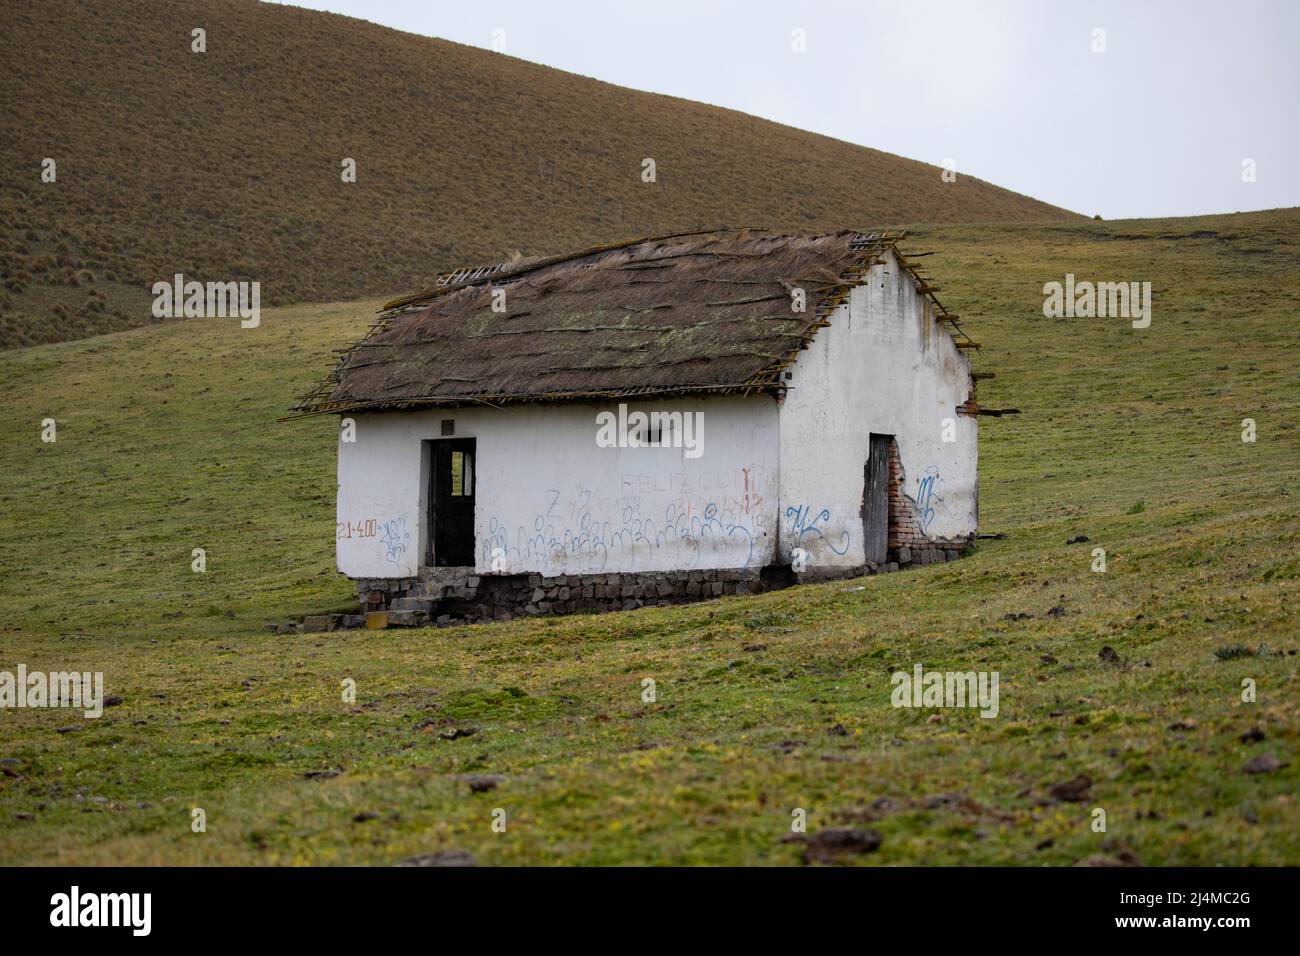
(451, 502)
(875, 499)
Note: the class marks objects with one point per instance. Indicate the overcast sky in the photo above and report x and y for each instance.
(1158, 124)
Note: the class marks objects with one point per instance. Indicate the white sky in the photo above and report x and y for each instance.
(1157, 125)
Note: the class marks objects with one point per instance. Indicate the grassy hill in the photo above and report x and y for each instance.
(226, 164)
(167, 442)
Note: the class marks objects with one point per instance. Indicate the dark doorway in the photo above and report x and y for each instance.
(875, 499)
(451, 502)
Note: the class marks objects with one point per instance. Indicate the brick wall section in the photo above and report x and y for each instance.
(908, 544)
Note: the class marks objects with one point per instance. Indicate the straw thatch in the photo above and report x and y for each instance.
(677, 315)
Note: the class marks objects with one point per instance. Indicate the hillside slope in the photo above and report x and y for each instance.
(167, 441)
(227, 164)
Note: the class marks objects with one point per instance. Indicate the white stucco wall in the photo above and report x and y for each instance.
(554, 502)
(885, 366)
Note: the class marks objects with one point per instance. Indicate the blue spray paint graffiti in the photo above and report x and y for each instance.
(695, 539)
(802, 522)
(927, 497)
(395, 539)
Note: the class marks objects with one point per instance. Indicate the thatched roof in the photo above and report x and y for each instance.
(675, 315)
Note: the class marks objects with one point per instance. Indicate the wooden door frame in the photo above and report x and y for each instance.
(429, 494)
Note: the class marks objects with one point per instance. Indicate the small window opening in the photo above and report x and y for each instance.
(462, 475)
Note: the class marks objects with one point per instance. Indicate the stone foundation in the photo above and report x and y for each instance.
(447, 596)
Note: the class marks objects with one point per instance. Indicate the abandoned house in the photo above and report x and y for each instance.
(650, 422)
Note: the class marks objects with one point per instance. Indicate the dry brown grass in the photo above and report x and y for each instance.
(226, 165)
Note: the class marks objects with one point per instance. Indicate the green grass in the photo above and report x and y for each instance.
(167, 442)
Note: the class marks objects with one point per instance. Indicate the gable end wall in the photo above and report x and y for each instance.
(883, 366)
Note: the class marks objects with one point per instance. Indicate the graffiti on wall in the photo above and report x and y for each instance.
(929, 497)
(395, 539)
(372, 526)
(700, 520)
(803, 521)
(364, 528)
